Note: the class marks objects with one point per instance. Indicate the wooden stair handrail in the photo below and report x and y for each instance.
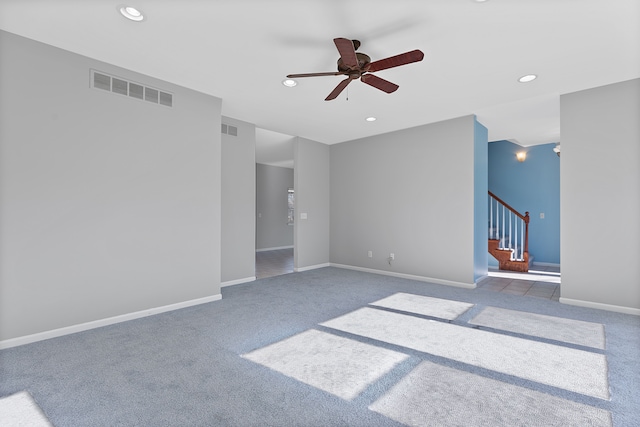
(524, 217)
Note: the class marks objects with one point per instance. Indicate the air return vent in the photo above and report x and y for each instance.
(229, 130)
(117, 85)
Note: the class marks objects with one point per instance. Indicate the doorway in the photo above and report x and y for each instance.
(275, 195)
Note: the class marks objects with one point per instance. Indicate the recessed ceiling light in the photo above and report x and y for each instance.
(528, 78)
(131, 13)
(289, 82)
(371, 119)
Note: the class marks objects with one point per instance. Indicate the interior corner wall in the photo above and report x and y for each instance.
(109, 205)
(480, 202)
(238, 244)
(272, 207)
(410, 193)
(311, 224)
(600, 197)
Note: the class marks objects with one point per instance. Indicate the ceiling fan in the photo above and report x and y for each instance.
(356, 65)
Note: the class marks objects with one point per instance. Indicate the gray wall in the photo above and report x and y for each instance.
(109, 204)
(311, 178)
(600, 196)
(238, 202)
(409, 192)
(481, 202)
(272, 230)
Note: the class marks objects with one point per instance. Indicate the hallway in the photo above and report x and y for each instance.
(274, 263)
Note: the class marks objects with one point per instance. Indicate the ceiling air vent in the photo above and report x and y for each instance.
(101, 81)
(136, 91)
(120, 86)
(166, 99)
(150, 95)
(229, 130)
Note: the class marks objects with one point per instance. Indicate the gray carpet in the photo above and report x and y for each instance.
(565, 368)
(337, 365)
(427, 306)
(20, 410)
(587, 334)
(433, 392)
(215, 364)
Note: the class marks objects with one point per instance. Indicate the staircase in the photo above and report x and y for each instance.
(508, 236)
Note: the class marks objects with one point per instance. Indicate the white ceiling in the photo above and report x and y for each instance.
(240, 51)
(274, 148)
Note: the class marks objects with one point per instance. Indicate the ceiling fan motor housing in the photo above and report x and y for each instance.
(363, 62)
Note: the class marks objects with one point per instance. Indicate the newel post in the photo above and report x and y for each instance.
(526, 232)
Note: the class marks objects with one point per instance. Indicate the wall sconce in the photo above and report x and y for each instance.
(556, 149)
(521, 156)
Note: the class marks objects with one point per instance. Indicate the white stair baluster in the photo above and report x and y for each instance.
(503, 227)
(510, 232)
(490, 217)
(515, 244)
(497, 220)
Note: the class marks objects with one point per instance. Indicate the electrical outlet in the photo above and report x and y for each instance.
(541, 215)
(370, 254)
(392, 256)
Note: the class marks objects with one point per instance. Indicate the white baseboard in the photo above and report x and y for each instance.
(237, 281)
(311, 267)
(601, 306)
(408, 276)
(28, 339)
(274, 249)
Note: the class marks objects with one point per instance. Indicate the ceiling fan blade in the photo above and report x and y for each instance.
(347, 52)
(378, 83)
(396, 61)
(330, 73)
(334, 94)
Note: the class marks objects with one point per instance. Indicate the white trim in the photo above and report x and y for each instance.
(601, 306)
(54, 333)
(274, 249)
(408, 276)
(311, 267)
(237, 281)
(545, 264)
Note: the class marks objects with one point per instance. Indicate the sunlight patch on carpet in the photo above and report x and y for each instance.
(566, 368)
(427, 306)
(337, 365)
(20, 409)
(434, 395)
(570, 331)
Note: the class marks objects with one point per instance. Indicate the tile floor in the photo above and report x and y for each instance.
(539, 282)
(274, 263)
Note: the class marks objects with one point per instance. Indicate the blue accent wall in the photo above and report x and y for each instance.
(533, 186)
(480, 200)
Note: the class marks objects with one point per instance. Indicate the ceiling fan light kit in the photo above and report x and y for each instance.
(357, 65)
